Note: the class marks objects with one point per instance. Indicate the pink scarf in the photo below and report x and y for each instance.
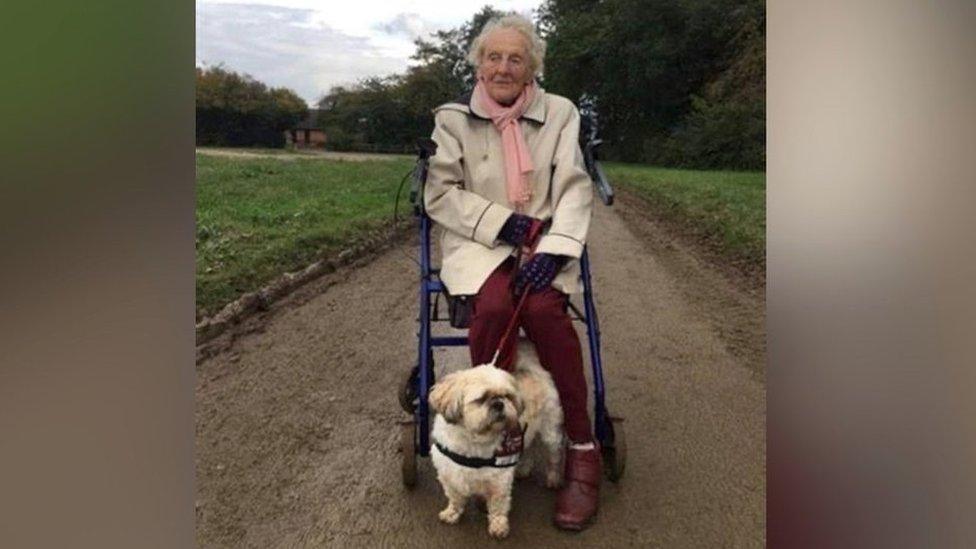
(518, 162)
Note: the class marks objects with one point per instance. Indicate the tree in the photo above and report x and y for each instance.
(237, 110)
(391, 113)
(727, 125)
(449, 49)
(645, 62)
(676, 82)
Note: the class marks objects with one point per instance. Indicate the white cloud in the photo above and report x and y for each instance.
(312, 45)
(408, 24)
(285, 47)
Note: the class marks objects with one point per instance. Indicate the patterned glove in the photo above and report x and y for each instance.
(516, 229)
(538, 273)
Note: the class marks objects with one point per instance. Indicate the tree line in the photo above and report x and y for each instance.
(236, 110)
(675, 82)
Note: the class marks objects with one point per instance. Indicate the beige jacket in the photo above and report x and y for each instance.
(465, 190)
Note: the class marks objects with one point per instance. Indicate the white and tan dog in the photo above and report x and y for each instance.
(475, 409)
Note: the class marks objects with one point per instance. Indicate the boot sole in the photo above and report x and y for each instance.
(575, 526)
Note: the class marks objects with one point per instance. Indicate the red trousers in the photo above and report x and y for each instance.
(547, 324)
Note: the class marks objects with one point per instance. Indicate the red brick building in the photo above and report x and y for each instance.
(307, 133)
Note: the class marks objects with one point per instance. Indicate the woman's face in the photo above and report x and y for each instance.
(505, 65)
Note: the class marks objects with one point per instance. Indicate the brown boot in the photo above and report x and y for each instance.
(577, 501)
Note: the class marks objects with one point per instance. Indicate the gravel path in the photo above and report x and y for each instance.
(296, 439)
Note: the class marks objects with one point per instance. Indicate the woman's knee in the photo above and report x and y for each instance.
(545, 308)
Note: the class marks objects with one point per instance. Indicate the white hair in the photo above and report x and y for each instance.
(514, 21)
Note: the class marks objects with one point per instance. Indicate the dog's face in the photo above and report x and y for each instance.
(482, 399)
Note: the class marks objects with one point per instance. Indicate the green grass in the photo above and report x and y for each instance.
(258, 150)
(259, 218)
(726, 208)
(254, 150)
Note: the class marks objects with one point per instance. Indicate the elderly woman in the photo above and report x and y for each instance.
(508, 153)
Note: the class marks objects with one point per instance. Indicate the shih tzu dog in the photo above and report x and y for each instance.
(485, 417)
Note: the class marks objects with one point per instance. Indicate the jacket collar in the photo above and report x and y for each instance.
(536, 111)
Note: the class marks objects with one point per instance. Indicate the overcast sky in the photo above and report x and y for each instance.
(310, 46)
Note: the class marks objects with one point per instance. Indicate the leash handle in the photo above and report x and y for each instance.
(532, 238)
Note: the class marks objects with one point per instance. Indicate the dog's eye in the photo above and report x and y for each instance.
(481, 399)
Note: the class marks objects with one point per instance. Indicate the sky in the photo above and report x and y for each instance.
(310, 46)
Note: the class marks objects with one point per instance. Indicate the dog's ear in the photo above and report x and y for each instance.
(446, 398)
(517, 402)
(453, 411)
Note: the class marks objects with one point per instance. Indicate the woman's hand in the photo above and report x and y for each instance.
(516, 229)
(538, 273)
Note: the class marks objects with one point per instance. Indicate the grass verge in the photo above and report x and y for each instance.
(257, 218)
(260, 217)
(726, 209)
(257, 150)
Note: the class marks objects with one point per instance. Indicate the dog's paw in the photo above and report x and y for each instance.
(450, 515)
(498, 527)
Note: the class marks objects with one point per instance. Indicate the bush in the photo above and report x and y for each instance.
(720, 135)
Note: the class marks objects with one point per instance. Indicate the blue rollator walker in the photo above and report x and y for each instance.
(415, 434)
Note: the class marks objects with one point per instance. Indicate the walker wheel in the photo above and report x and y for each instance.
(408, 453)
(410, 386)
(615, 450)
(408, 391)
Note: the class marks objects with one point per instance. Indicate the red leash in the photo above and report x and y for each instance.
(533, 235)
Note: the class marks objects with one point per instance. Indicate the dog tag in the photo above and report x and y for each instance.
(511, 444)
(506, 460)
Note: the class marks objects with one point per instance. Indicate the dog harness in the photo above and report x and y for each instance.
(507, 455)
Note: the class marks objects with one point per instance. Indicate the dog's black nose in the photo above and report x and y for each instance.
(497, 406)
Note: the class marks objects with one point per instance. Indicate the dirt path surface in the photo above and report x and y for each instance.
(296, 439)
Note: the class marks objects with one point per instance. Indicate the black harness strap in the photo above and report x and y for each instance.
(476, 462)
